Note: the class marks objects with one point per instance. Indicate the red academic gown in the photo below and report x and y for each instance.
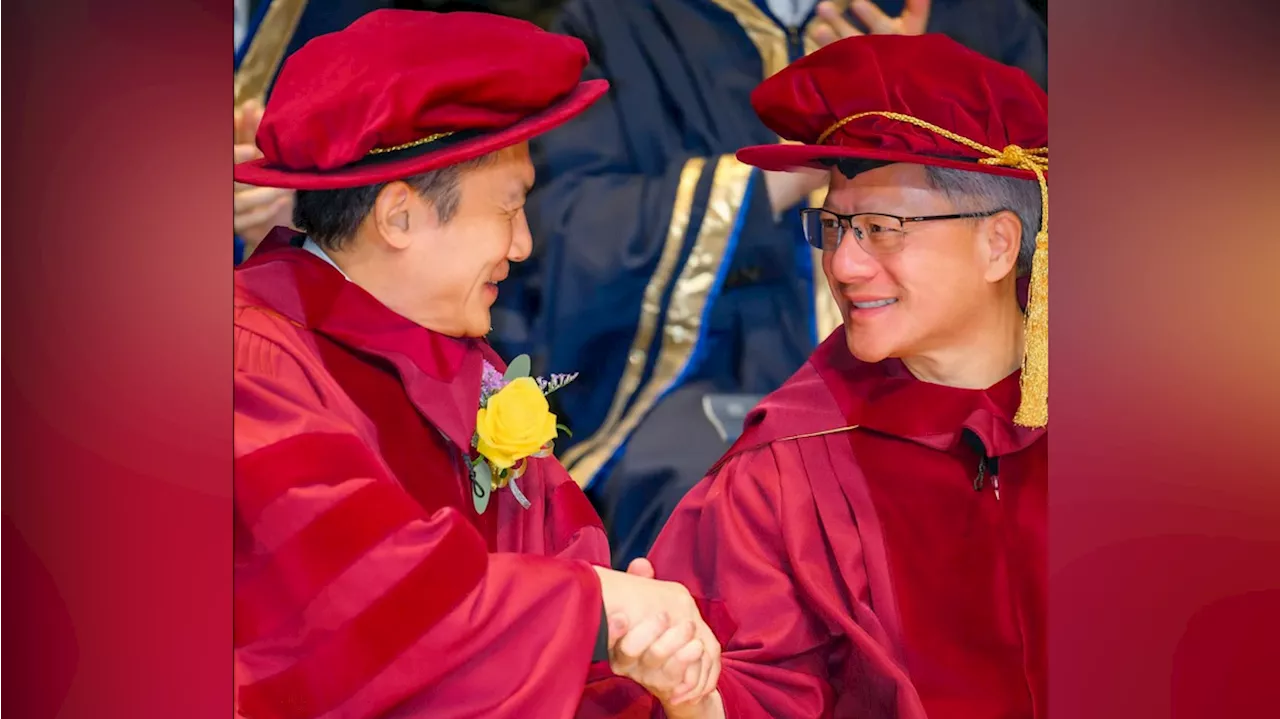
(858, 572)
(365, 582)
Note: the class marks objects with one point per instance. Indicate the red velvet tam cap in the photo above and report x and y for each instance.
(926, 100)
(402, 92)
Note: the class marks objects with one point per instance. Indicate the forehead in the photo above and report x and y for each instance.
(505, 175)
(514, 160)
(888, 185)
(517, 167)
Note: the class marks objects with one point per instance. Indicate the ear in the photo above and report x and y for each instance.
(1003, 240)
(392, 211)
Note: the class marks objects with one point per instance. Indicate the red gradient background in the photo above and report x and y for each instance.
(1165, 535)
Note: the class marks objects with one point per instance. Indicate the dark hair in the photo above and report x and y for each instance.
(331, 217)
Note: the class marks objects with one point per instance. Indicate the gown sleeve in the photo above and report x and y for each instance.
(352, 601)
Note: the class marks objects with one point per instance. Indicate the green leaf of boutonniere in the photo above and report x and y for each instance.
(481, 485)
(564, 429)
(519, 367)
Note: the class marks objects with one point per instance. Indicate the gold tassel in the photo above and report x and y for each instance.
(1034, 408)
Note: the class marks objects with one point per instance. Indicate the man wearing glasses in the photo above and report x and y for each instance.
(874, 544)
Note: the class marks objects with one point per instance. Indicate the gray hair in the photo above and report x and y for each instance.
(981, 192)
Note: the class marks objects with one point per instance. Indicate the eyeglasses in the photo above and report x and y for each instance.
(877, 234)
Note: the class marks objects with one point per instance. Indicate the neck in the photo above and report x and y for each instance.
(374, 272)
(983, 354)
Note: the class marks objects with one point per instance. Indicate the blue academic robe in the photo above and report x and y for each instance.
(320, 17)
(660, 272)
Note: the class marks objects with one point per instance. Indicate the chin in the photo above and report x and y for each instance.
(478, 326)
(868, 349)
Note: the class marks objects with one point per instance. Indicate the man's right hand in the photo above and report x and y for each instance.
(637, 605)
(639, 597)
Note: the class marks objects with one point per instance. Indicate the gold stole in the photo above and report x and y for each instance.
(674, 338)
(691, 291)
(266, 50)
(771, 42)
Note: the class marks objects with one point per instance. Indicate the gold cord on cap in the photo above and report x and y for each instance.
(407, 145)
(1034, 408)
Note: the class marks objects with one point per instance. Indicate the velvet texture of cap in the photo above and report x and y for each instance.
(923, 100)
(401, 92)
(931, 78)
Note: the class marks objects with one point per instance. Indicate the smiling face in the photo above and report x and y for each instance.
(928, 296)
(448, 272)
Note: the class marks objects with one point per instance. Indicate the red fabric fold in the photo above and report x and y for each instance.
(261, 477)
(267, 596)
(343, 661)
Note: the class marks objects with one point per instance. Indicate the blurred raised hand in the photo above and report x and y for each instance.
(835, 26)
(257, 209)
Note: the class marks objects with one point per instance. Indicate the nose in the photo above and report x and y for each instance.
(521, 240)
(850, 264)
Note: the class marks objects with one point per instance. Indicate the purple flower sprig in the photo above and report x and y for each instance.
(490, 382)
(556, 382)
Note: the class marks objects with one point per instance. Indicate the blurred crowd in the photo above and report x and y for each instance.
(672, 277)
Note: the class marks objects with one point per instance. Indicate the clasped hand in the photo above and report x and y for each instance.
(658, 639)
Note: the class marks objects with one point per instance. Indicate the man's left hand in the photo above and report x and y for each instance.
(912, 21)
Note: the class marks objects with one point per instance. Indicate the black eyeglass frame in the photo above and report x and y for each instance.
(846, 221)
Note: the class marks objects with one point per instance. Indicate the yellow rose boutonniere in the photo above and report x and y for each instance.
(514, 422)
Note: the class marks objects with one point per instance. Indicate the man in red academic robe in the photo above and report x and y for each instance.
(874, 544)
(401, 551)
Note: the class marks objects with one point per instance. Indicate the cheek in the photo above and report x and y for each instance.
(444, 282)
(927, 268)
(488, 245)
(826, 268)
(939, 287)
(469, 258)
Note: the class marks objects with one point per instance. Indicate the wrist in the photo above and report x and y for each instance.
(710, 707)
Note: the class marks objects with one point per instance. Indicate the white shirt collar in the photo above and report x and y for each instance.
(791, 13)
(310, 246)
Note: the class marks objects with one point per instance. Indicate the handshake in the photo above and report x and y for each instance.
(658, 639)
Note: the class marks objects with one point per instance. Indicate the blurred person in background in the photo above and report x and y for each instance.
(266, 32)
(667, 269)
